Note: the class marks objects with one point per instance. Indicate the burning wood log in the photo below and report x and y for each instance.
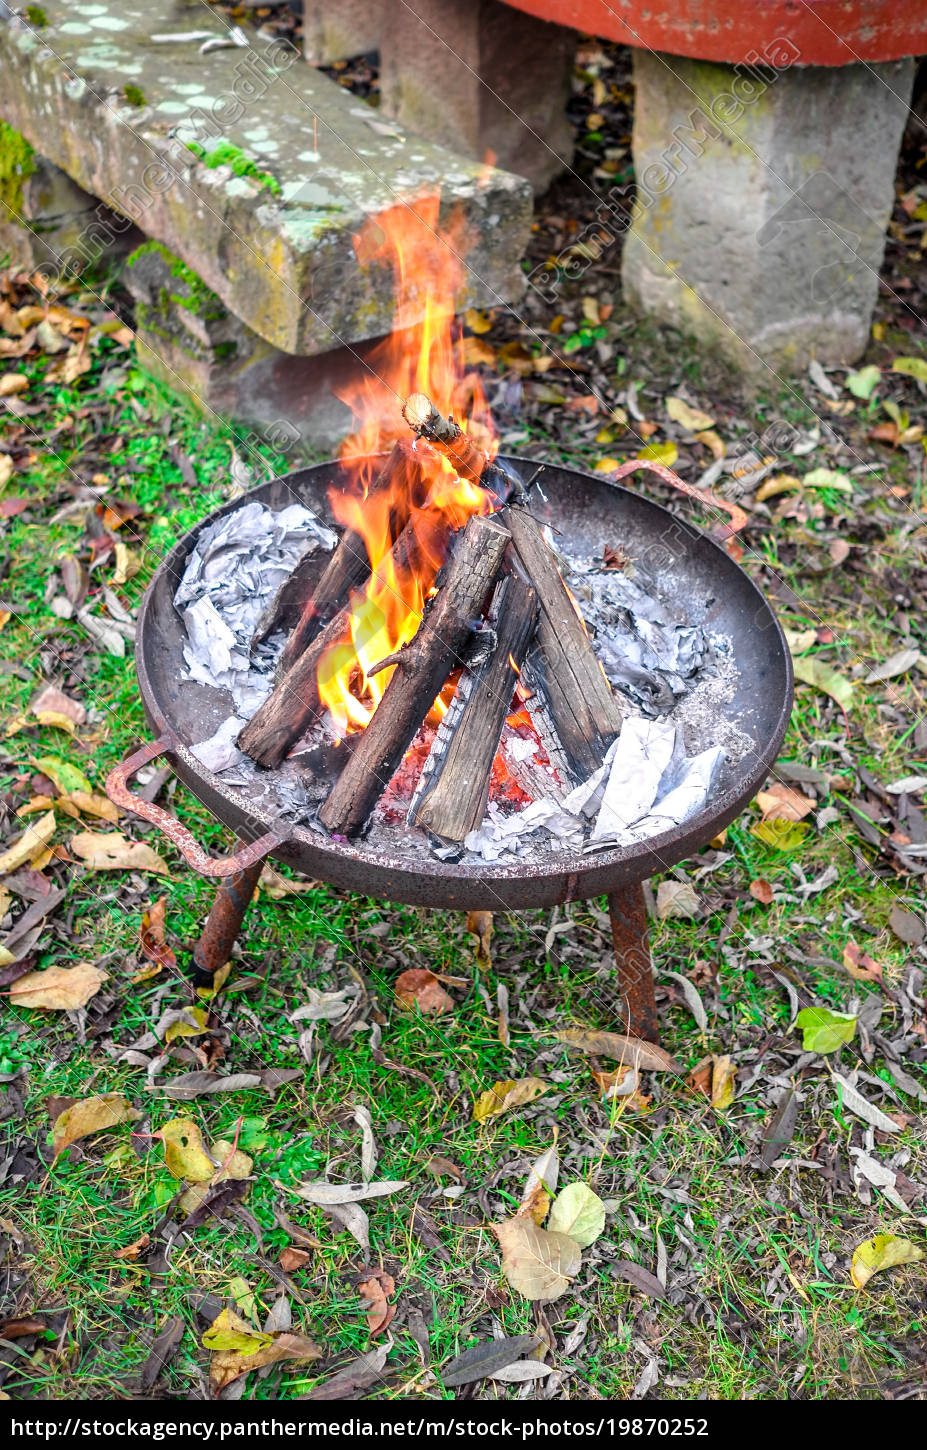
(293, 704)
(349, 566)
(449, 438)
(585, 713)
(441, 643)
(454, 788)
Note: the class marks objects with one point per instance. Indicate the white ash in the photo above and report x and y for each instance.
(231, 576)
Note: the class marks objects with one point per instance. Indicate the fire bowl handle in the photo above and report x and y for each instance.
(721, 532)
(117, 788)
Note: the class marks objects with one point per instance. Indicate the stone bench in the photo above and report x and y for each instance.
(254, 172)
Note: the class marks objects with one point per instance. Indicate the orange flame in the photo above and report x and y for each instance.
(422, 354)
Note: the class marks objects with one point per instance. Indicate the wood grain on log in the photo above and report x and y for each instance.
(585, 712)
(441, 644)
(455, 781)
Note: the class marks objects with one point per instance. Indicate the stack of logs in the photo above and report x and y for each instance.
(501, 610)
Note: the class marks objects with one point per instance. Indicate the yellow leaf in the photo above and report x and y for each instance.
(11, 383)
(113, 852)
(665, 453)
(184, 1151)
(36, 804)
(192, 1024)
(92, 804)
(782, 483)
(579, 1213)
(92, 1115)
(537, 1263)
(541, 1185)
(63, 775)
(692, 419)
(229, 1365)
(33, 840)
(58, 989)
(723, 1073)
(479, 322)
(882, 1252)
(505, 1095)
(606, 465)
(475, 352)
(233, 1163)
(782, 803)
(228, 1331)
(712, 441)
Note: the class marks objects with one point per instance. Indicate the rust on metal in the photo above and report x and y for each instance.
(631, 942)
(117, 788)
(226, 914)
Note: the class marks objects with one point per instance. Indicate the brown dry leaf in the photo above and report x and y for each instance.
(152, 936)
(761, 891)
(713, 441)
(541, 1185)
(58, 989)
(782, 803)
(860, 965)
(513, 1093)
(375, 1288)
(292, 1259)
(51, 699)
(479, 924)
(30, 844)
(475, 352)
(132, 1251)
(723, 1073)
(631, 1050)
(11, 383)
(92, 1115)
(277, 886)
(537, 1263)
(612, 1084)
(89, 803)
(112, 851)
(420, 988)
(228, 1365)
(677, 899)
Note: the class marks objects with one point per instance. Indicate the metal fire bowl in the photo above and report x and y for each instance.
(586, 512)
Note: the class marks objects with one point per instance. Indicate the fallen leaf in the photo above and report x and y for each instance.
(664, 453)
(277, 886)
(163, 1347)
(58, 989)
(823, 1030)
(677, 899)
(112, 851)
(89, 803)
(420, 988)
(537, 1263)
(781, 483)
(827, 478)
(152, 935)
(33, 840)
(63, 776)
(884, 1251)
(641, 1278)
(761, 891)
(813, 671)
(513, 1093)
(522, 1371)
(324, 1193)
(862, 384)
(229, 1365)
(780, 835)
(579, 1213)
(911, 367)
(854, 1102)
(782, 803)
(906, 926)
(712, 441)
(358, 1374)
(184, 1151)
(484, 1360)
(692, 419)
(723, 1073)
(12, 506)
(541, 1185)
(479, 924)
(292, 1259)
(860, 965)
(376, 1288)
(897, 664)
(131, 1251)
(11, 383)
(91, 1115)
(632, 1050)
(191, 1022)
(781, 1129)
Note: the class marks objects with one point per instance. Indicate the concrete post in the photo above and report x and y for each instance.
(477, 76)
(763, 196)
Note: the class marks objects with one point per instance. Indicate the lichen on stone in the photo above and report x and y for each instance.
(197, 298)
(134, 95)
(17, 164)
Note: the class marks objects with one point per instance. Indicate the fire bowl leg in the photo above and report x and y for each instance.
(631, 942)
(223, 923)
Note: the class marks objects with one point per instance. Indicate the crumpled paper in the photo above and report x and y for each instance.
(232, 574)
(645, 653)
(645, 785)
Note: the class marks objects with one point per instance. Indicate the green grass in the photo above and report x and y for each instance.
(761, 1303)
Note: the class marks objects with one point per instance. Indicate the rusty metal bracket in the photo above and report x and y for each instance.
(631, 941)
(195, 855)
(721, 532)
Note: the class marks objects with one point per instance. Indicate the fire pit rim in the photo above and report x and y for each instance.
(516, 883)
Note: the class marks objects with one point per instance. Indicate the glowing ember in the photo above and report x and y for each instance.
(421, 355)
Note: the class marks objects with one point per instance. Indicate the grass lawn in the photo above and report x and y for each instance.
(757, 1298)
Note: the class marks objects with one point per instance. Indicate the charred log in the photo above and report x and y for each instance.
(449, 438)
(585, 713)
(441, 643)
(349, 566)
(294, 704)
(454, 789)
